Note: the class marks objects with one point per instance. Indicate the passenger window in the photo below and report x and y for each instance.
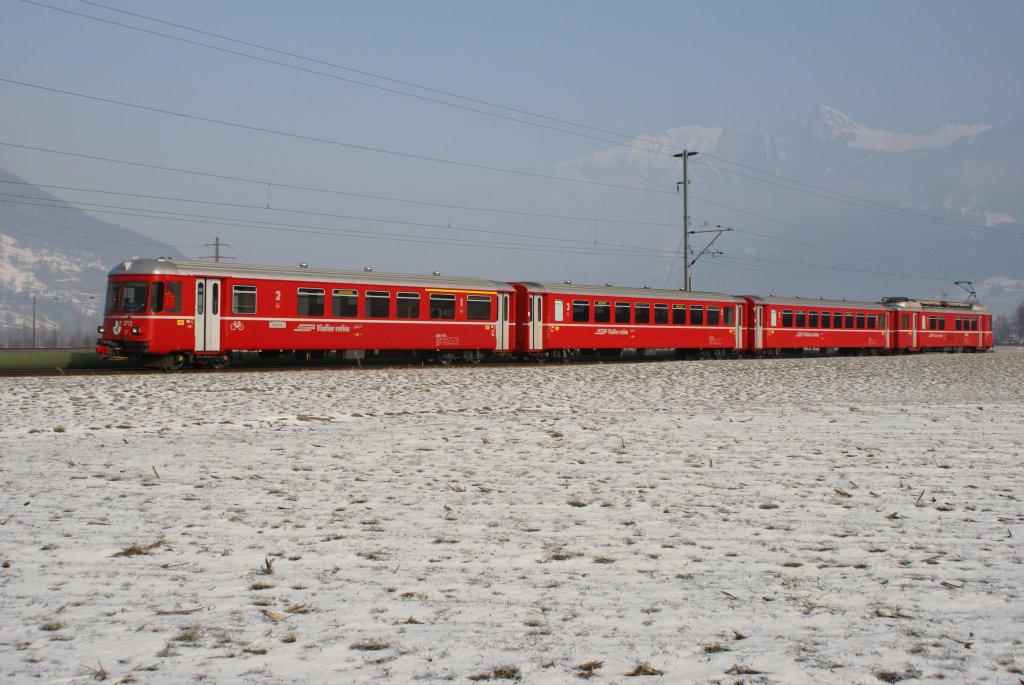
(622, 312)
(787, 318)
(826, 319)
(602, 311)
(812, 319)
(243, 299)
(872, 321)
(642, 312)
(559, 310)
(849, 320)
(661, 314)
(713, 317)
(378, 304)
(729, 318)
(837, 320)
(344, 303)
(311, 302)
(407, 306)
(860, 319)
(442, 306)
(696, 314)
(679, 314)
(478, 308)
(801, 319)
(581, 311)
(942, 323)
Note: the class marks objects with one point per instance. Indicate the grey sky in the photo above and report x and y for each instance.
(630, 68)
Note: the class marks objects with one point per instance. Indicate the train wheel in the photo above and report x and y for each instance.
(474, 357)
(446, 358)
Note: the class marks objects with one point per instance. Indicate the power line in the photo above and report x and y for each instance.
(350, 80)
(331, 215)
(329, 191)
(304, 228)
(328, 141)
(821, 192)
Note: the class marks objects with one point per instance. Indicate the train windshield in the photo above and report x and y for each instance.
(126, 296)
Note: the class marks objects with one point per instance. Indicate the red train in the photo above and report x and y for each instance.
(171, 313)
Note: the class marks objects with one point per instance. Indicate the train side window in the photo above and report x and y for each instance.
(581, 311)
(872, 321)
(407, 306)
(837, 320)
(848, 322)
(959, 322)
(713, 316)
(787, 318)
(344, 302)
(622, 312)
(812, 319)
(113, 290)
(602, 311)
(942, 323)
(442, 306)
(378, 304)
(860, 319)
(905, 321)
(679, 314)
(801, 319)
(696, 314)
(310, 302)
(156, 299)
(172, 299)
(642, 312)
(974, 324)
(826, 319)
(729, 316)
(243, 299)
(559, 310)
(933, 324)
(661, 313)
(478, 308)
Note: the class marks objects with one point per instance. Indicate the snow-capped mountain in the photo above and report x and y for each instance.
(939, 204)
(53, 262)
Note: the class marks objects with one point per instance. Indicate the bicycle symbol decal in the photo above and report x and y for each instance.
(237, 326)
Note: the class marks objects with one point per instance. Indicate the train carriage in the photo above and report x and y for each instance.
(922, 325)
(777, 325)
(564, 320)
(170, 313)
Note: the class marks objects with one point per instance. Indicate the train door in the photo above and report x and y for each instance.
(207, 322)
(739, 326)
(501, 343)
(536, 322)
(758, 328)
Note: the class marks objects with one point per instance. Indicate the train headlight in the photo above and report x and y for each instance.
(136, 330)
(101, 330)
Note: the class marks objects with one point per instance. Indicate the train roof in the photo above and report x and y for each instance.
(934, 305)
(183, 267)
(811, 303)
(612, 291)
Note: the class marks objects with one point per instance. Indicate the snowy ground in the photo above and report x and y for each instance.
(771, 521)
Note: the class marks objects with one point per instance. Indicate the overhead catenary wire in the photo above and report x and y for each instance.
(329, 141)
(304, 228)
(812, 189)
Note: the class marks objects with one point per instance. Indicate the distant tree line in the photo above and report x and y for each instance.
(48, 335)
(1009, 330)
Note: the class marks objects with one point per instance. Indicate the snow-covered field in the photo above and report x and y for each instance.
(831, 520)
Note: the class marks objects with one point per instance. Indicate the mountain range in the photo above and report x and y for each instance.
(54, 261)
(943, 204)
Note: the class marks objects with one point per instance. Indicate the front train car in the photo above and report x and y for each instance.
(170, 313)
(148, 315)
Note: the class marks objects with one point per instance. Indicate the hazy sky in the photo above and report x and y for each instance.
(630, 68)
